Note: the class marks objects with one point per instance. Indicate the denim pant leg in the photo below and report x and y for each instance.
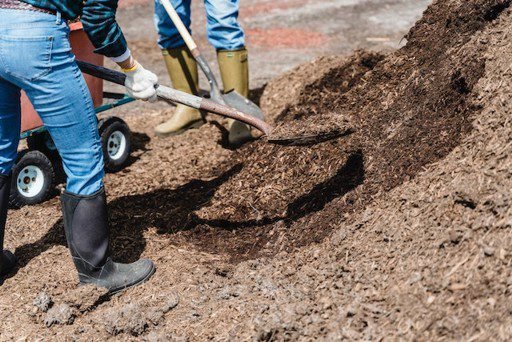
(67, 112)
(10, 125)
(36, 56)
(224, 31)
(168, 35)
(64, 103)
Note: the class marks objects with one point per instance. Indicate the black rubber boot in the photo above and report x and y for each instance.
(7, 259)
(86, 226)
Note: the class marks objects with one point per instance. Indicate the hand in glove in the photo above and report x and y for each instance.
(140, 83)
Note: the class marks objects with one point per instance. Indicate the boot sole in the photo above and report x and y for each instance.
(139, 282)
(194, 125)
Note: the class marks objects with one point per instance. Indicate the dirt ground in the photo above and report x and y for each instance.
(399, 230)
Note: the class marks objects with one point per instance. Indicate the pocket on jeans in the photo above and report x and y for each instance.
(27, 58)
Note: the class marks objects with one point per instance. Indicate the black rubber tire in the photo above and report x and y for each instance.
(107, 127)
(43, 142)
(37, 159)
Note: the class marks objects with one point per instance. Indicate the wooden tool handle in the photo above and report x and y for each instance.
(179, 25)
(176, 96)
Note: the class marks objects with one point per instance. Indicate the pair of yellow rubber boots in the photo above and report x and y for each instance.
(182, 68)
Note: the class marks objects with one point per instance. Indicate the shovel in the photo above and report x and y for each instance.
(279, 135)
(232, 98)
(176, 96)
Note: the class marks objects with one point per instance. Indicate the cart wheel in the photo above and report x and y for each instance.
(43, 142)
(116, 143)
(32, 179)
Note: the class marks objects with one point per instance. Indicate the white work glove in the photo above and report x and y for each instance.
(140, 83)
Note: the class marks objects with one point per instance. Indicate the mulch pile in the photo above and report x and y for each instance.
(411, 110)
(399, 230)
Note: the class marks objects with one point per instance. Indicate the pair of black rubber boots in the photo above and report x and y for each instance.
(87, 234)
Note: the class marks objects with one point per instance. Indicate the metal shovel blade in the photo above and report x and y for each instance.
(237, 101)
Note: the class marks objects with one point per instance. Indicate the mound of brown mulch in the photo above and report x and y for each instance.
(410, 109)
(416, 204)
(307, 86)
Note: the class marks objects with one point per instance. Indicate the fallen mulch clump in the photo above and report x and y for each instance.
(311, 131)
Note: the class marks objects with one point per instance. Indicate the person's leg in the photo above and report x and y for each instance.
(36, 56)
(224, 31)
(64, 104)
(10, 124)
(168, 35)
(181, 66)
(228, 38)
(182, 69)
(50, 77)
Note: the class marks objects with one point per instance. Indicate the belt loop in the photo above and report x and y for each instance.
(59, 18)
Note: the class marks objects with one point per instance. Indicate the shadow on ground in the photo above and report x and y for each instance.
(171, 211)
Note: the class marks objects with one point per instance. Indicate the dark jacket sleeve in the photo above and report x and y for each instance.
(99, 21)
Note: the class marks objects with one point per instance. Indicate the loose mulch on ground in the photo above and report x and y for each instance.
(399, 230)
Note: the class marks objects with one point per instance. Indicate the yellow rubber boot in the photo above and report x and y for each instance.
(182, 69)
(234, 70)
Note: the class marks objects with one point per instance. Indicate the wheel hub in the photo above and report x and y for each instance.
(30, 181)
(116, 145)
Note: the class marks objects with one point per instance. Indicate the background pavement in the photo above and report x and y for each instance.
(282, 34)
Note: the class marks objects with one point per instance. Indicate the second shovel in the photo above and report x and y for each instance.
(232, 98)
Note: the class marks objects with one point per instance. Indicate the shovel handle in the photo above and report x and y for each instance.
(173, 95)
(179, 25)
(194, 50)
(103, 73)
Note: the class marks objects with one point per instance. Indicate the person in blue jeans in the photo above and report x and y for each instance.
(227, 37)
(35, 56)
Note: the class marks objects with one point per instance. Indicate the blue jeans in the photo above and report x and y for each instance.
(224, 31)
(35, 56)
